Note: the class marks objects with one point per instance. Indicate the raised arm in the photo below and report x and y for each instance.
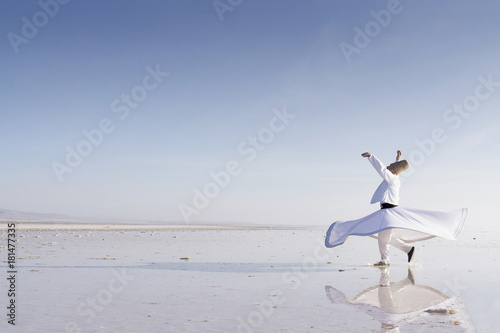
(380, 167)
(398, 155)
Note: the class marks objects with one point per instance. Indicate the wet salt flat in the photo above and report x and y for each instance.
(247, 280)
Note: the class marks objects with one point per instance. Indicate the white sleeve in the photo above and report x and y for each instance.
(382, 169)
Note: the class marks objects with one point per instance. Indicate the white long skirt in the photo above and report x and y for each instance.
(411, 225)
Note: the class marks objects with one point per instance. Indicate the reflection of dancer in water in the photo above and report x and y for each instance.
(395, 225)
(396, 304)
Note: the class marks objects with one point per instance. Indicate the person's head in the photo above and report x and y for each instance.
(398, 167)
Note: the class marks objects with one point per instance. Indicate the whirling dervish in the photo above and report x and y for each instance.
(394, 225)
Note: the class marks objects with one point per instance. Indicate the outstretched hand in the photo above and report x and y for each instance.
(366, 154)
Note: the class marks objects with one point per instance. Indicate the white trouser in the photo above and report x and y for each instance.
(385, 239)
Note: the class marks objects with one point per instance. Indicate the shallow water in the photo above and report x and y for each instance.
(247, 281)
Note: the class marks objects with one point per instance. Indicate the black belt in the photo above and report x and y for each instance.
(386, 205)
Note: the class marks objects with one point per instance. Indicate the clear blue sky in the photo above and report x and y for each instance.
(70, 67)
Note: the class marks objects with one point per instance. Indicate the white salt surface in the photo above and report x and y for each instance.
(126, 279)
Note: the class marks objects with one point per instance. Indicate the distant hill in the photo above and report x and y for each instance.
(15, 215)
(7, 215)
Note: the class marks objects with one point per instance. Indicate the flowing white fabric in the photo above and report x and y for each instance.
(411, 225)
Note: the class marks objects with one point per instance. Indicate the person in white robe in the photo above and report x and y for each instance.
(388, 195)
(394, 225)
